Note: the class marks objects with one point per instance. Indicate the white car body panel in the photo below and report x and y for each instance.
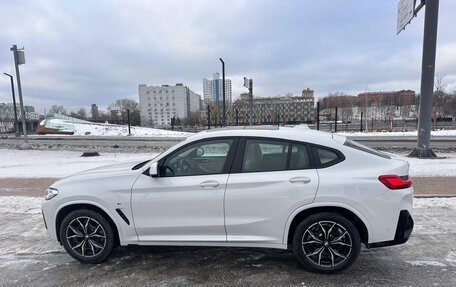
(258, 204)
(179, 209)
(244, 209)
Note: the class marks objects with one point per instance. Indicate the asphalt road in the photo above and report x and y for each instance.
(28, 258)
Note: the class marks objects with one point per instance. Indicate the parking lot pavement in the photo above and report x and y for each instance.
(28, 258)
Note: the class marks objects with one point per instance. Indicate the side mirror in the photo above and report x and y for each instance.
(153, 169)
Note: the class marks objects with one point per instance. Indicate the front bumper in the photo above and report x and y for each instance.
(48, 217)
(403, 231)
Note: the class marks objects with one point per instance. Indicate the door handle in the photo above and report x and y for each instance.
(300, 179)
(209, 183)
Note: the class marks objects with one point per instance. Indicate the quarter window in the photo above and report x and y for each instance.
(327, 157)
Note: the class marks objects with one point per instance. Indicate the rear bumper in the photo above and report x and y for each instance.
(403, 230)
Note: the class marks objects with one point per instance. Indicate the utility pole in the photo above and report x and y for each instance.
(423, 149)
(318, 115)
(248, 83)
(128, 119)
(223, 90)
(335, 122)
(208, 117)
(361, 123)
(19, 59)
(16, 124)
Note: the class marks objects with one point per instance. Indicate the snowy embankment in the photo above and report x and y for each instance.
(439, 133)
(84, 128)
(43, 163)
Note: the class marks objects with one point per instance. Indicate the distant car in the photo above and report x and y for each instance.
(315, 193)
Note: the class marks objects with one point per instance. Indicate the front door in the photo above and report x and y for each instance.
(185, 202)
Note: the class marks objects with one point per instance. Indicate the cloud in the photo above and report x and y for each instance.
(84, 52)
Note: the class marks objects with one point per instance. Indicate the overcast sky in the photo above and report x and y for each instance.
(89, 51)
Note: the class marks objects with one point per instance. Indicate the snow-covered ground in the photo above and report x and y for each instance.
(394, 134)
(43, 163)
(23, 238)
(100, 129)
(445, 165)
(39, 163)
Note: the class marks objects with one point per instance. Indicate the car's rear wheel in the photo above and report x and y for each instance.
(326, 243)
(87, 236)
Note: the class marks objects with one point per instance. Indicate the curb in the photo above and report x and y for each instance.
(433, 195)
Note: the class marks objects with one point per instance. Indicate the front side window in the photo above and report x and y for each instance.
(201, 158)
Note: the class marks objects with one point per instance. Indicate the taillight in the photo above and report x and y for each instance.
(393, 181)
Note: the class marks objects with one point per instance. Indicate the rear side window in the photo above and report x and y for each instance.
(364, 148)
(265, 155)
(299, 158)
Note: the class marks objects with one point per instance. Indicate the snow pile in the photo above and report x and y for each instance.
(393, 134)
(100, 129)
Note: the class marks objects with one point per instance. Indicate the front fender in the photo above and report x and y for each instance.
(126, 232)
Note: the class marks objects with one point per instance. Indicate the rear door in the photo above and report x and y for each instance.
(269, 180)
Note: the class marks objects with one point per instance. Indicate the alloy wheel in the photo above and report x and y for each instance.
(327, 244)
(86, 236)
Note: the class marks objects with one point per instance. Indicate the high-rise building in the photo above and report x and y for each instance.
(159, 104)
(94, 111)
(213, 90)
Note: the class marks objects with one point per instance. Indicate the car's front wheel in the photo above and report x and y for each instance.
(87, 236)
(326, 243)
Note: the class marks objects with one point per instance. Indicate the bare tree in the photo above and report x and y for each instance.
(82, 113)
(192, 119)
(57, 109)
(122, 105)
(440, 97)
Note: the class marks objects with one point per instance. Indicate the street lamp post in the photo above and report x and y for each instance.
(16, 124)
(223, 90)
(19, 59)
(248, 83)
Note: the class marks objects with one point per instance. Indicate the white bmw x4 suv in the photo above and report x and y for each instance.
(315, 193)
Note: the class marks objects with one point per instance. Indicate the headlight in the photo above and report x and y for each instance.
(51, 193)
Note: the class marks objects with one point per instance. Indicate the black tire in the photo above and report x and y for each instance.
(87, 236)
(326, 243)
